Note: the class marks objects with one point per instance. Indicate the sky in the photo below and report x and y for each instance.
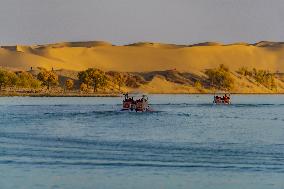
(128, 21)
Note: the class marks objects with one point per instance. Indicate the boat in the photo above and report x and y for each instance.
(141, 104)
(225, 99)
(128, 103)
(138, 105)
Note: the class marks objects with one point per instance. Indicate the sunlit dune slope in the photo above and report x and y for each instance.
(143, 57)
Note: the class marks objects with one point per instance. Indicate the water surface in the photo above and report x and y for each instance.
(185, 143)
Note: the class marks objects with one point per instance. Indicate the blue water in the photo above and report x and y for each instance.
(186, 142)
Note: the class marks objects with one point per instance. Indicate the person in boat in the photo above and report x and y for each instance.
(222, 99)
(126, 97)
(217, 98)
(226, 99)
(144, 98)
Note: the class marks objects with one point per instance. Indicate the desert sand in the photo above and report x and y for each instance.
(149, 57)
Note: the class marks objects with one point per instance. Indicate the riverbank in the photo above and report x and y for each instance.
(14, 94)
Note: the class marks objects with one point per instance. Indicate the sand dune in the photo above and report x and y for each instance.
(153, 58)
(144, 56)
(166, 86)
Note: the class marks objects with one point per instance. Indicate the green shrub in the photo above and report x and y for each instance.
(93, 77)
(27, 80)
(134, 81)
(220, 77)
(69, 84)
(48, 78)
(265, 78)
(244, 71)
(84, 87)
(262, 77)
(7, 78)
(117, 78)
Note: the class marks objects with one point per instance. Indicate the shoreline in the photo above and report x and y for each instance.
(116, 95)
(57, 95)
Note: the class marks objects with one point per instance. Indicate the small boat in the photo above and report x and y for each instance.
(138, 105)
(142, 105)
(225, 99)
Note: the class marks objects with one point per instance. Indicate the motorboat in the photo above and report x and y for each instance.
(224, 98)
(139, 105)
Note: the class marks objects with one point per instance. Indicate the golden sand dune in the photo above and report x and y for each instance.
(141, 57)
(166, 86)
(168, 83)
(166, 68)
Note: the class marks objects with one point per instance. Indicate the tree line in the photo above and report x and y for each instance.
(221, 77)
(91, 79)
(95, 80)
(262, 77)
(18, 79)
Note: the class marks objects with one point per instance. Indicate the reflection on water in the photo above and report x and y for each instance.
(185, 143)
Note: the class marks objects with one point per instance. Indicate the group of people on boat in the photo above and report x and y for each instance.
(140, 104)
(128, 99)
(131, 99)
(222, 100)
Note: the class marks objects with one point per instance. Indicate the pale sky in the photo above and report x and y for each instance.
(128, 21)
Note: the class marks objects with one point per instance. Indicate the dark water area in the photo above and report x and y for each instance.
(186, 142)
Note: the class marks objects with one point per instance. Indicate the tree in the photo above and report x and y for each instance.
(27, 80)
(93, 77)
(134, 81)
(265, 78)
(7, 78)
(244, 71)
(48, 78)
(220, 77)
(84, 87)
(69, 84)
(3, 79)
(118, 79)
(262, 77)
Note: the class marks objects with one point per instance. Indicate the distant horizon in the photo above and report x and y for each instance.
(136, 42)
